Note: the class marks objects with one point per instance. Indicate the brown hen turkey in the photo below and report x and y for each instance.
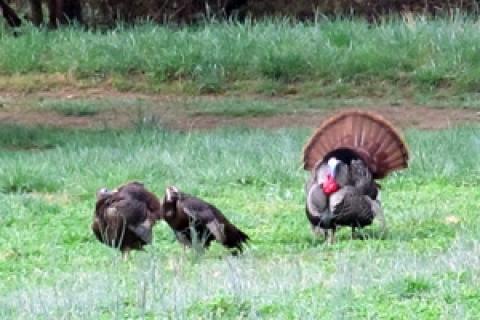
(197, 222)
(124, 217)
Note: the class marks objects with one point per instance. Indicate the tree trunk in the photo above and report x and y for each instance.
(54, 13)
(12, 18)
(72, 11)
(60, 12)
(37, 14)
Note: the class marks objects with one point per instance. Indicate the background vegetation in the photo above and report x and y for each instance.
(418, 54)
(109, 12)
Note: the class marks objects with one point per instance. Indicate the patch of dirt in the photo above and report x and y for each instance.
(401, 116)
(51, 119)
(170, 112)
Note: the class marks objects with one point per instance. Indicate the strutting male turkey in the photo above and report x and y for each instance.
(345, 156)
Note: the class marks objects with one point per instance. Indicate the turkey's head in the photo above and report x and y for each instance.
(169, 203)
(103, 193)
(330, 184)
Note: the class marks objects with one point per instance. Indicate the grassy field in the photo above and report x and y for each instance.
(426, 267)
(414, 53)
(274, 74)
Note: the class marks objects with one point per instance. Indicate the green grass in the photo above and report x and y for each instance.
(237, 107)
(85, 107)
(421, 53)
(244, 106)
(427, 267)
(71, 108)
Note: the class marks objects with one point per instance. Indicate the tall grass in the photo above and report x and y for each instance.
(418, 51)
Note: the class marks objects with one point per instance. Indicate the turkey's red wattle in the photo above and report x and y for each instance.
(330, 185)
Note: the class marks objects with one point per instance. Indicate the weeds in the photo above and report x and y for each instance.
(425, 53)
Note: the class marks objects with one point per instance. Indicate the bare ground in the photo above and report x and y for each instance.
(403, 116)
(171, 112)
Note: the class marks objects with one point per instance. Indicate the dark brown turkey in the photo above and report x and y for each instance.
(345, 155)
(124, 217)
(196, 222)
